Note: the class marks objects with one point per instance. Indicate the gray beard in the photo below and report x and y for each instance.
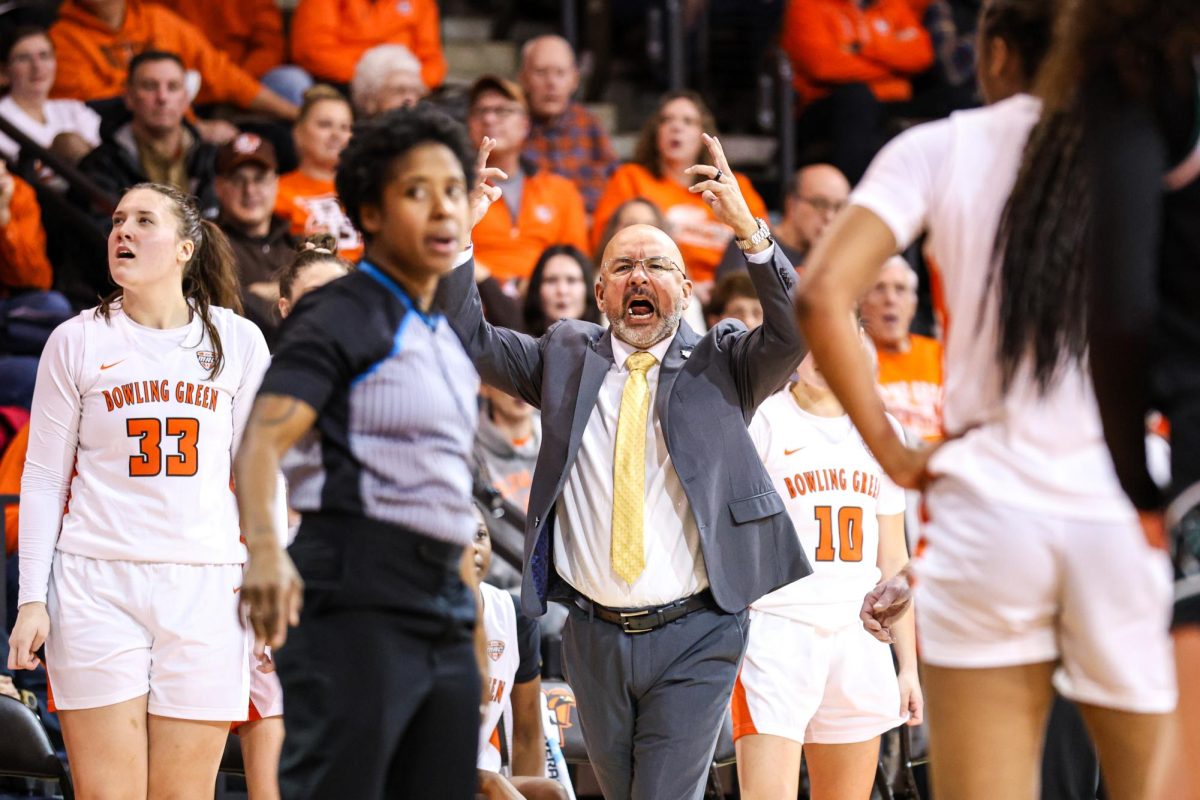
(645, 339)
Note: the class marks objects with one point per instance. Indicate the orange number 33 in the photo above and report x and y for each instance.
(149, 461)
(849, 529)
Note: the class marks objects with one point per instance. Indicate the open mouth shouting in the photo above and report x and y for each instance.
(640, 308)
(124, 253)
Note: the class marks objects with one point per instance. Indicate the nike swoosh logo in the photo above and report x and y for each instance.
(110, 366)
(790, 452)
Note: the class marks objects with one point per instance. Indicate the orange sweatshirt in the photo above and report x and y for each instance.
(911, 386)
(551, 213)
(833, 42)
(11, 467)
(93, 59)
(329, 36)
(692, 224)
(313, 207)
(250, 32)
(23, 262)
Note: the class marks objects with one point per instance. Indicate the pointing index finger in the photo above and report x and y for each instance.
(485, 150)
(718, 153)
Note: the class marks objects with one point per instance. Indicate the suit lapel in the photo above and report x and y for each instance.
(676, 356)
(597, 360)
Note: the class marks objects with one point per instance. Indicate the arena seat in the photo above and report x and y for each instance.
(25, 749)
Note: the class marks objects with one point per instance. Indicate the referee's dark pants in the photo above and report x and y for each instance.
(381, 688)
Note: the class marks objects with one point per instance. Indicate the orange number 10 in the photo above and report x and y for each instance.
(149, 461)
(850, 533)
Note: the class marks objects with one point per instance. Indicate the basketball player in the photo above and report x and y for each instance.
(514, 685)
(133, 588)
(1035, 569)
(812, 676)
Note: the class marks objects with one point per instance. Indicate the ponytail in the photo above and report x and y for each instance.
(209, 276)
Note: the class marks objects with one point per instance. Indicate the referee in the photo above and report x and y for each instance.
(375, 392)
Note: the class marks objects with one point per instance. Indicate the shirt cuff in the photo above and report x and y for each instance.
(761, 257)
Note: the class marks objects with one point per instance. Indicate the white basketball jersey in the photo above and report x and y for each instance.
(1041, 452)
(155, 435)
(834, 491)
(503, 658)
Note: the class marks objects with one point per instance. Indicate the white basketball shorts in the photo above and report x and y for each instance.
(814, 686)
(122, 629)
(1000, 586)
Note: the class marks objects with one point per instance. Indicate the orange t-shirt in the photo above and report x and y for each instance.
(911, 386)
(833, 42)
(692, 224)
(93, 60)
(23, 262)
(248, 31)
(329, 36)
(313, 207)
(11, 467)
(551, 213)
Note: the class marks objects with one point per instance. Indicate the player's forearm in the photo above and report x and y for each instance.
(529, 744)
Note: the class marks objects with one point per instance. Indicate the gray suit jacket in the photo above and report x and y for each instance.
(708, 389)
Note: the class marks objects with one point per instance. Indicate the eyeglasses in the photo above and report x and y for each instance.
(501, 112)
(655, 265)
(823, 205)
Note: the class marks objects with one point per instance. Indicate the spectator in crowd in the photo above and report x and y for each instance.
(387, 76)
(851, 60)
(910, 365)
(506, 449)
(29, 311)
(29, 66)
(306, 195)
(156, 144)
(330, 36)
(514, 683)
(564, 137)
(246, 183)
(507, 444)
(539, 208)
(670, 144)
(250, 32)
(636, 211)
(735, 298)
(96, 41)
(817, 192)
(559, 288)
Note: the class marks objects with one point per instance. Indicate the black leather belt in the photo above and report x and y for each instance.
(644, 620)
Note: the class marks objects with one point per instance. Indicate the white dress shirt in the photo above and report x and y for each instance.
(583, 533)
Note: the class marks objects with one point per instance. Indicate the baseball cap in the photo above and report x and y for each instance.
(494, 83)
(245, 148)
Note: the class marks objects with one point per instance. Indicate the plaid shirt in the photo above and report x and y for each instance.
(576, 147)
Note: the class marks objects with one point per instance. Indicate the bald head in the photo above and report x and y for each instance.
(549, 75)
(887, 310)
(643, 241)
(819, 192)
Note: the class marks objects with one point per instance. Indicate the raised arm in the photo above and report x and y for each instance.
(509, 360)
(763, 358)
(888, 209)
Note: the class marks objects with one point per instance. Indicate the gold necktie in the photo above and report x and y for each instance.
(629, 471)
